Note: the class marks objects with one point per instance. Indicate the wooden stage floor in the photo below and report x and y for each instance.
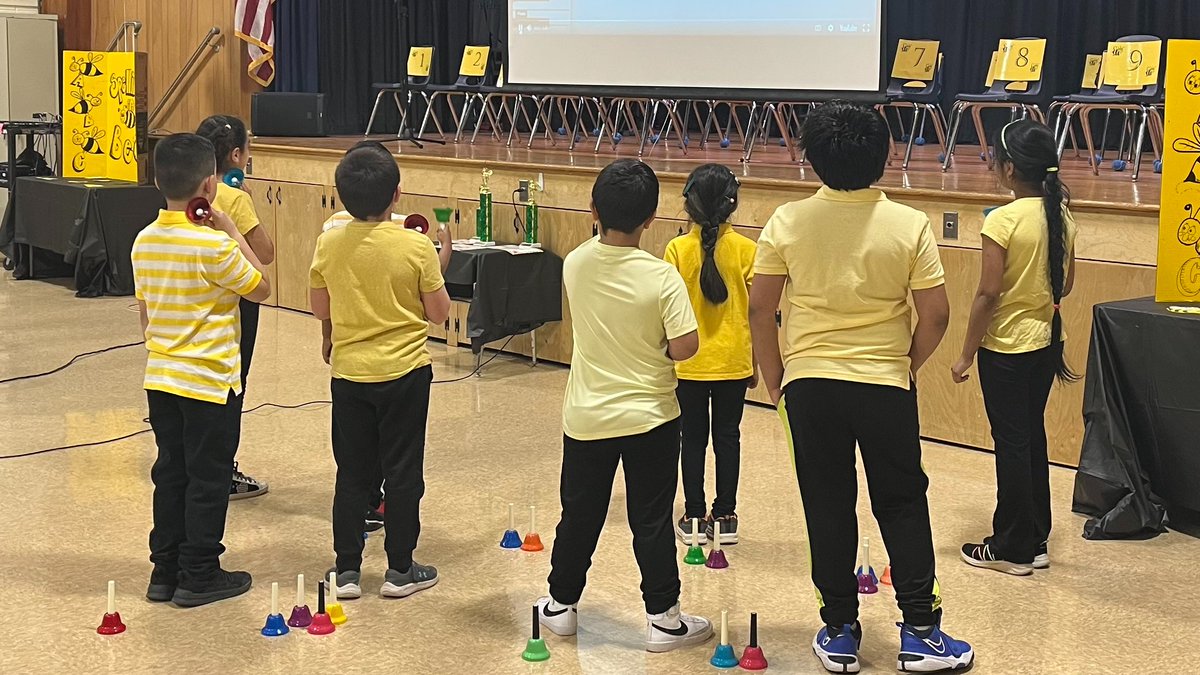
(969, 180)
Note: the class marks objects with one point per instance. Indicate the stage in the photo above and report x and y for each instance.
(292, 183)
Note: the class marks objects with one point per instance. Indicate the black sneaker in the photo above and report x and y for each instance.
(683, 530)
(981, 555)
(1042, 560)
(245, 487)
(729, 529)
(163, 582)
(374, 520)
(220, 586)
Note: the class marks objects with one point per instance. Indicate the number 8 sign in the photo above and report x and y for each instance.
(1021, 60)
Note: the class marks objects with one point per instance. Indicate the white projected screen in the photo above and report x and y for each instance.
(815, 45)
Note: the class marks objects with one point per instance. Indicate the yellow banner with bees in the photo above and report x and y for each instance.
(1179, 229)
(104, 115)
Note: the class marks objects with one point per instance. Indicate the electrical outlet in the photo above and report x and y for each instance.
(250, 167)
(950, 225)
(523, 190)
(542, 182)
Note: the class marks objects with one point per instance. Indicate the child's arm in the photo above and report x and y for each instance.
(678, 317)
(447, 242)
(242, 212)
(933, 318)
(434, 297)
(239, 270)
(145, 318)
(224, 223)
(326, 340)
(991, 283)
(765, 295)
(260, 242)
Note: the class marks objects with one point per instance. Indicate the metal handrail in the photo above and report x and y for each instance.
(210, 40)
(123, 32)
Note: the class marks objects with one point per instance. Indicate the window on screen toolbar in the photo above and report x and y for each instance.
(695, 17)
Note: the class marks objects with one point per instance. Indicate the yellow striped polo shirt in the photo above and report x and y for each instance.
(191, 278)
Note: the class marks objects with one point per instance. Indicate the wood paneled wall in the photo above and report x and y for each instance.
(171, 31)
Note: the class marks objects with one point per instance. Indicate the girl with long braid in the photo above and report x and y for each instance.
(717, 265)
(1016, 330)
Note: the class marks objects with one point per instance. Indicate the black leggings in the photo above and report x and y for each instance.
(728, 401)
(1016, 388)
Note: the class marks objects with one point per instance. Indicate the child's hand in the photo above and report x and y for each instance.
(221, 221)
(959, 370)
(444, 238)
(327, 350)
(754, 380)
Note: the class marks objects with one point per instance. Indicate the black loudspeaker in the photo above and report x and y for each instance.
(287, 114)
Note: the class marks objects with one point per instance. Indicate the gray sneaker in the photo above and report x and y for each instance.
(402, 585)
(348, 584)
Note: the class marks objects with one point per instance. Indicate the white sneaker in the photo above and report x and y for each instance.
(562, 620)
(673, 629)
(1042, 560)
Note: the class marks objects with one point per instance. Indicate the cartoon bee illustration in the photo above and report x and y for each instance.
(1192, 81)
(1190, 146)
(85, 66)
(85, 103)
(1189, 229)
(89, 141)
(129, 112)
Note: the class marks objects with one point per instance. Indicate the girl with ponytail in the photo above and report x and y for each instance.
(232, 143)
(1016, 330)
(717, 265)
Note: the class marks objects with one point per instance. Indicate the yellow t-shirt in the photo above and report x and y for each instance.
(1021, 323)
(625, 305)
(725, 347)
(851, 259)
(191, 278)
(376, 273)
(238, 205)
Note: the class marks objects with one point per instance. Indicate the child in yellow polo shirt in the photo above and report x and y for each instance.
(632, 323)
(1016, 329)
(717, 264)
(188, 279)
(378, 285)
(849, 260)
(231, 143)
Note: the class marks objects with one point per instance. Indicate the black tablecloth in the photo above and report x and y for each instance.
(509, 294)
(91, 223)
(1141, 446)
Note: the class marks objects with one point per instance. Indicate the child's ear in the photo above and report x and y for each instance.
(210, 187)
(396, 197)
(646, 225)
(595, 213)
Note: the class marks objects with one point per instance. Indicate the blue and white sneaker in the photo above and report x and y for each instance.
(838, 648)
(932, 651)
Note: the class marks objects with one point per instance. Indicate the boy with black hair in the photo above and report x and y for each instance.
(188, 279)
(376, 286)
(632, 321)
(849, 259)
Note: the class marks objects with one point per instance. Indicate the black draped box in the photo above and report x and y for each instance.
(1140, 465)
(509, 294)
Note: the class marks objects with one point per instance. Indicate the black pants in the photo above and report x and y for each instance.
(379, 428)
(196, 442)
(728, 401)
(827, 418)
(1016, 388)
(249, 318)
(651, 462)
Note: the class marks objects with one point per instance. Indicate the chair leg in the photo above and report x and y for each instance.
(912, 137)
(1068, 130)
(1085, 116)
(429, 112)
(1141, 143)
(374, 111)
(956, 114)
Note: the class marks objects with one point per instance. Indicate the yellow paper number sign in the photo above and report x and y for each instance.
(1179, 228)
(1091, 71)
(104, 115)
(1132, 65)
(420, 61)
(1021, 60)
(474, 63)
(915, 60)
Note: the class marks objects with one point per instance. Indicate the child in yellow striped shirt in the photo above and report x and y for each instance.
(188, 279)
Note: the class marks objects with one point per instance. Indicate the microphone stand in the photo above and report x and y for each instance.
(407, 132)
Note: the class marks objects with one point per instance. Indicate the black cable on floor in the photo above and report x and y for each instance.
(256, 408)
(70, 363)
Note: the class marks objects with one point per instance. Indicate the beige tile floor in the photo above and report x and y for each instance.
(72, 520)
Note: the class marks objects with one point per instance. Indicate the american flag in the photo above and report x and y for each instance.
(254, 22)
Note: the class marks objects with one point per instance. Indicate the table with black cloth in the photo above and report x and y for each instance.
(91, 223)
(509, 294)
(1140, 466)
